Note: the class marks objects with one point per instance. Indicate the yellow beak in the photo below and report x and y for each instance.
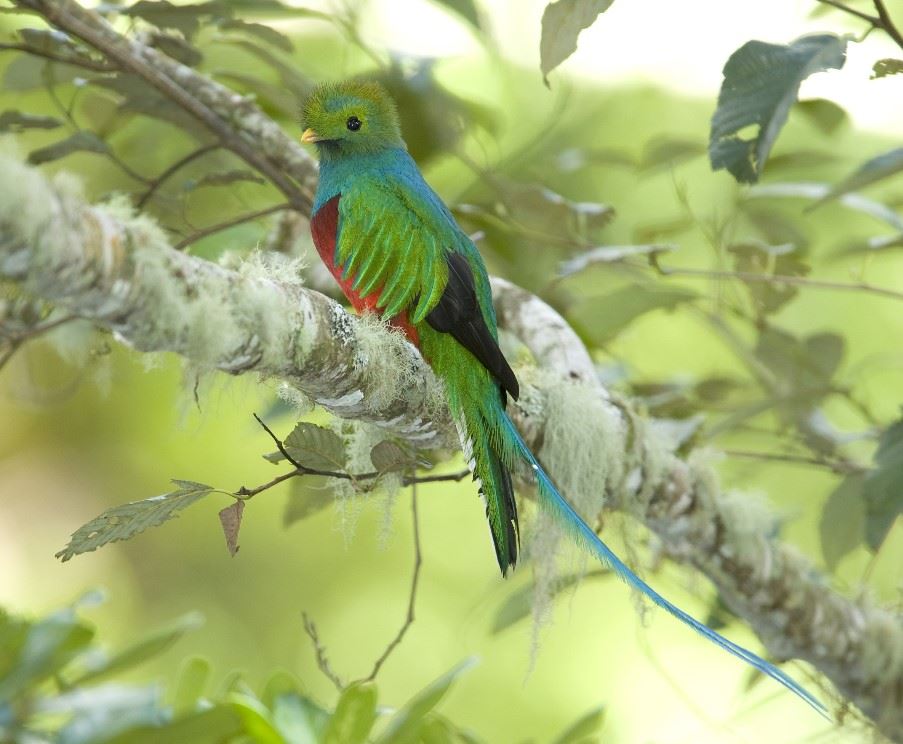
(310, 136)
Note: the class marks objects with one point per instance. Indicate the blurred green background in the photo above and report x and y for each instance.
(87, 424)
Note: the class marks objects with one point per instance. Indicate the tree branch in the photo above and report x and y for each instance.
(105, 264)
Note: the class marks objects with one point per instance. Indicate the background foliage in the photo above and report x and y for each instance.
(601, 200)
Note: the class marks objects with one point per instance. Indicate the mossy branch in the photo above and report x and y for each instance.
(116, 268)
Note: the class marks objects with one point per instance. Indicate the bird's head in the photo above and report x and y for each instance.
(350, 118)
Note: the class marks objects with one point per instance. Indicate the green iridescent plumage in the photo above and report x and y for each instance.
(396, 249)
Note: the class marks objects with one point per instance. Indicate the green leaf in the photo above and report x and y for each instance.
(271, 36)
(760, 258)
(295, 82)
(298, 719)
(153, 645)
(878, 168)
(98, 713)
(404, 726)
(885, 67)
(177, 48)
(184, 18)
(212, 726)
(255, 719)
(27, 72)
(663, 152)
(230, 520)
(820, 191)
(611, 254)
(761, 82)
(17, 121)
(126, 521)
(194, 674)
(826, 115)
(82, 141)
(883, 487)
(602, 318)
(304, 502)
(464, 8)
(803, 368)
(842, 524)
(562, 23)
(584, 729)
(519, 604)
(390, 457)
(42, 649)
(316, 447)
(354, 715)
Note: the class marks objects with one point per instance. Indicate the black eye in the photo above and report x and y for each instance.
(353, 123)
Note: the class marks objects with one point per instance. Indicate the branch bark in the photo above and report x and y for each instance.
(106, 264)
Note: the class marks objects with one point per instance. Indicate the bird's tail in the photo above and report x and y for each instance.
(515, 449)
(494, 482)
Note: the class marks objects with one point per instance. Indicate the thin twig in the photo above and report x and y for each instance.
(412, 595)
(156, 183)
(17, 340)
(800, 281)
(220, 226)
(86, 25)
(887, 25)
(841, 467)
(874, 20)
(83, 62)
(320, 653)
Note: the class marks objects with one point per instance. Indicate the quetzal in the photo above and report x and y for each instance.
(395, 249)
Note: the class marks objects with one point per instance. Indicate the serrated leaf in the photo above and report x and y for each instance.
(825, 114)
(842, 523)
(354, 715)
(390, 457)
(878, 168)
(147, 648)
(464, 8)
(883, 486)
(562, 23)
(194, 674)
(126, 521)
(82, 141)
(584, 729)
(315, 447)
(602, 318)
(304, 502)
(230, 519)
(610, 254)
(885, 67)
(761, 82)
(265, 33)
(18, 121)
(404, 726)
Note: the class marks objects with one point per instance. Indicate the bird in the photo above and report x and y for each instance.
(395, 249)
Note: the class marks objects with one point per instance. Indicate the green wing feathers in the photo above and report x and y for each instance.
(391, 244)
